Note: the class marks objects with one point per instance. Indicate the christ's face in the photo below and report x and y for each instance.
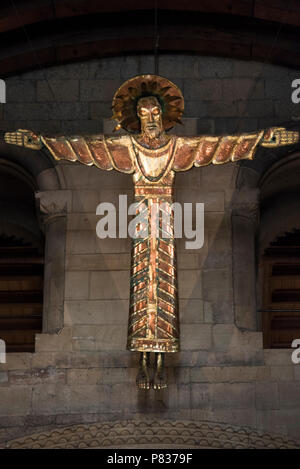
(150, 115)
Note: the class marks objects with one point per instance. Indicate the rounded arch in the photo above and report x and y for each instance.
(278, 253)
(19, 217)
(22, 246)
(41, 173)
(66, 32)
(264, 189)
(37, 166)
(152, 434)
(279, 200)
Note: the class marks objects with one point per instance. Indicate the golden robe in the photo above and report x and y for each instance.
(153, 311)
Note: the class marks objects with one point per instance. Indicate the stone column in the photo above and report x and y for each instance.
(53, 206)
(245, 208)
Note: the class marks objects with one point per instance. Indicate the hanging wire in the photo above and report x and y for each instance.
(156, 56)
(156, 39)
(33, 50)
(258, 77)
(265, 62)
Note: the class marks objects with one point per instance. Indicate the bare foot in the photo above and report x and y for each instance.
(143, 377)
(159, 381)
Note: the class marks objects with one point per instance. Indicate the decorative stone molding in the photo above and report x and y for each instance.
(53, 204)
(245, 203)
(245, 211)
(152, 434)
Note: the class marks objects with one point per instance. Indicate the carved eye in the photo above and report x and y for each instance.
(142, 112)
(156, 111)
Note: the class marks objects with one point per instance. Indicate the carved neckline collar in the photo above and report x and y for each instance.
(143, 147)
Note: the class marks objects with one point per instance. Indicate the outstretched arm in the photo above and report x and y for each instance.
(24, 138)
(105, 153)
(205, 150)
(279, 137)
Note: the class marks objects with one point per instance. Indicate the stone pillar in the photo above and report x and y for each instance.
(245, 207)
(53, 206)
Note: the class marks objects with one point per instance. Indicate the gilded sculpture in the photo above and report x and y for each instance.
(147, 106)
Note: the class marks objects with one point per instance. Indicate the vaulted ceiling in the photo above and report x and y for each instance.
(47, 32)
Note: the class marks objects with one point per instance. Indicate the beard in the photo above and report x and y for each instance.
(152, 138)
(153, 132)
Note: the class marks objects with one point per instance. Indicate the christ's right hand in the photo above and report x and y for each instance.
(24, 138)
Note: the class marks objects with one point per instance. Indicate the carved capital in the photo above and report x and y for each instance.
(245, 203)
(53, 204)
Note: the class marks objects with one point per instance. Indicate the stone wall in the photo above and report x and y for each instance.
(224, 95)
(81, 372)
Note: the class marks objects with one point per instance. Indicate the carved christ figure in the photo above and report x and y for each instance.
(146, 107)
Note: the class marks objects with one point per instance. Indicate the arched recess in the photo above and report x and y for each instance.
(278, 253)
(246, 205)
(33, 214)
(21, 260)
(38, 165)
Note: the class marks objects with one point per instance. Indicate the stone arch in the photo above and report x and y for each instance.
(279, 200)
(254, 223)
(279, 215)
(18, 214)
(151, 433)
(37, 165)
(65, 33)
(22, 259)
(40, 172)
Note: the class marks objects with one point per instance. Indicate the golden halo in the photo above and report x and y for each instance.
(126, 97)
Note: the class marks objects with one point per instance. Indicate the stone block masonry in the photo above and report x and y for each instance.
(82, 373)
(215, 89)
